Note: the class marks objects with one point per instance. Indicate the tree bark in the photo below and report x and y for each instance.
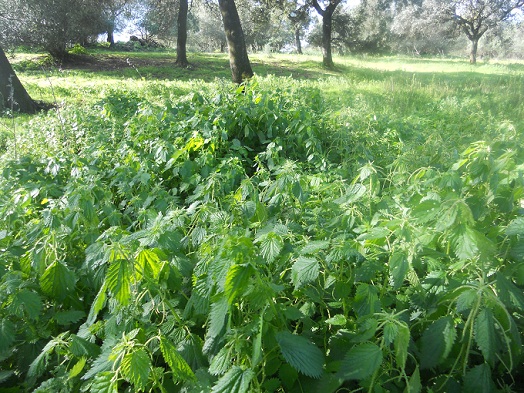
(181, 42)
(327, 22)
(13, 94)
(238, 59)
(111, 37)
(297, 40)
(474, 48)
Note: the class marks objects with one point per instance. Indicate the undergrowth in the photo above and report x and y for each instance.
(255, 240)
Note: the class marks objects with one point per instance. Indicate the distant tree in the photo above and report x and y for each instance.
(327, 23)
(422, 28)
(13, 94)
(209, 33)
(112, 11)
(238, 58)
(300, 18)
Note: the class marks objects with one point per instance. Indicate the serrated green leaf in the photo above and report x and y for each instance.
(68, 317)
(136, 367)
(466, 299)
(464, 241)
(149, 262)
(360, 362)
(222, 361)
(270, 246)
(28, 302)
(447, 216)
(314, 246)
(414, 385)
(509, 293)
(366, 300)
(57, 280)
(81, 347)
(426, 211)
(301, 354)
(437, 342)
(516, 227)
(401, 345)
(390, 332)
(236, 380)
(478, 380)
(179, 367)
(7, 334)
(103, 383)
(237, 279)
(398, 267)
(304, 271)
(118, 280)
(217, 316)
(485, 334)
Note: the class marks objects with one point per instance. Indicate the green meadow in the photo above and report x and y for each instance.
(348, 230)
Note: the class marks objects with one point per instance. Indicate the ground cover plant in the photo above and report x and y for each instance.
(358, 232)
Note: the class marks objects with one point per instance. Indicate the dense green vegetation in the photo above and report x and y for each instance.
(352, 230)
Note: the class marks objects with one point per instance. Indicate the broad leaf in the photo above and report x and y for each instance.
(464, 242)
(301, 353)
(304, 271)
(361, 361)
(235, 380)
(179, 367)
(7, 334)
(104, 383)
(516, 227)
(222, 361)
(57, 280)
(270, 246)
(485, 334)
(136, 367)
(366, 300)
(28, 302)
(437, 342)
(314, 246)
(118, 280)
(398, 267)
(478, 380)
(401, 345)
(149, 262)
(237, 279)
(217, 316)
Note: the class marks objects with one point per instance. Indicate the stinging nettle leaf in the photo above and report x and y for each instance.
(314, 246)
(437, 342)
(118, 280)
(301, 354)
(237, 279)
(179, 367)
(398, 267)
(361, 362)
(57, 280)
(136, 367)
(401, 344)
(236, 380)
(304, 271)
(516, 227)
(485, 334)
(270, 246)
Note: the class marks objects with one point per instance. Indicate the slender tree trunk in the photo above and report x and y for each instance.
(297, 40)
(474, 48)
(181, 42)
(12, 92)
(238, 59)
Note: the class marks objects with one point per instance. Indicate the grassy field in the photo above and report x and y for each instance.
(348, 230)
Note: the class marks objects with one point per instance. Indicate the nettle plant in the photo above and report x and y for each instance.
(216, 244)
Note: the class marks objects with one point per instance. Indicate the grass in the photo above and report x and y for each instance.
(435, 105)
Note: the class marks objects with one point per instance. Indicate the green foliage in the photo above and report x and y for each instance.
(226, 241)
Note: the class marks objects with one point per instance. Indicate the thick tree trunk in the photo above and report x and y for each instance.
(327, 57)
(238, 59)
(12, 92)
(297, 40)
(474, 48)
(111, 37)
(181, 42)
(327, 22)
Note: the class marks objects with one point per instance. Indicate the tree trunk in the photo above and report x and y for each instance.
(297, 40)
(12, 92)
(327, 21)
(111, 36)
(181, 52)
(474, 48)
(238, 59)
